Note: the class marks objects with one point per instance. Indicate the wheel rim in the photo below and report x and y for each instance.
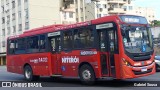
(28, 74)
(86, 74)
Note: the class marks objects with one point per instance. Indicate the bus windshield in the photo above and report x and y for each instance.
(137, 39)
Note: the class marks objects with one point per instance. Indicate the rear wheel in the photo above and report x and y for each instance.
(28, 74)
(87, 75)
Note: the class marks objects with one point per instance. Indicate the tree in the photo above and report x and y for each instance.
(155, 23)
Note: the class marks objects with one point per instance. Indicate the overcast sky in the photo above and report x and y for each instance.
(150, 3)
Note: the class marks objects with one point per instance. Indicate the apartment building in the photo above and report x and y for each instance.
(68, 15)
(96, 9)
(99, 8)
(118, 6)
(18, 16)
(147, 12)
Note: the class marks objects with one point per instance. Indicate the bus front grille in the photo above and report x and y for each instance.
(139, 72)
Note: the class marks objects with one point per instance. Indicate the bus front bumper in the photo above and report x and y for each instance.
(129, 72)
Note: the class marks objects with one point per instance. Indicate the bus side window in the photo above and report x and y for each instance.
(32, 45)
(20, 46)
(83, 38)
(42, 44)
(67, 40)
(87, 37)
(77, 39)
(11, 47)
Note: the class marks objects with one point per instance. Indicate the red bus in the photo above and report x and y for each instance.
(118, 47)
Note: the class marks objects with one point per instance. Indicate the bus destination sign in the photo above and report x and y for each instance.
(133, 19)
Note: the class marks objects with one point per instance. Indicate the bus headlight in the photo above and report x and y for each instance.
(126, 62)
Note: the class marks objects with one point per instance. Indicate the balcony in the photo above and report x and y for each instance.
(116, 11)
(68, 1)
(70, 6)
(117, 1)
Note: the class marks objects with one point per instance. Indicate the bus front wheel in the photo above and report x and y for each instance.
(28, 74)
(87, 75)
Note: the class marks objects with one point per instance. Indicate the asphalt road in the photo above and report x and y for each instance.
(75, 84)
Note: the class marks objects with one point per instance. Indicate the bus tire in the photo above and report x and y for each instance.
(28, 74)
(87, 75)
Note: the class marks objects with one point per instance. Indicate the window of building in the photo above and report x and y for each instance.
(76, 9)
(7, 1)
(83, 38)
(19, 2)
(8, 18)
(70, 14)
(77, 19)
(104, 6)
(13, 16)
(7, 7)
(25, 1)
(130, 8)
(14, 29)
(101, 9)
(26, 13)
(3, 20)
(8, 31)
(13, 4)
(3, 44)
(26, 25)
(3, 32)
(81, 9)
(82, 19)
(67, 40)
(20, 27)
(19, 14)
(65, 15)
(99, 15)
(2, 9)
(98, 5)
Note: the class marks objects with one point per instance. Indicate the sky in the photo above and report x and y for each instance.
(149, 3)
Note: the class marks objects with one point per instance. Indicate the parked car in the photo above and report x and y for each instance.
(157, 60)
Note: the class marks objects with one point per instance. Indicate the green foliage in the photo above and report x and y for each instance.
(155, 23)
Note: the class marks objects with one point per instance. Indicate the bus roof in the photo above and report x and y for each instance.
(52, 28)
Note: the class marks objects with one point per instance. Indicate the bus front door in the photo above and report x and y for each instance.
(106, 40)
(56, 57)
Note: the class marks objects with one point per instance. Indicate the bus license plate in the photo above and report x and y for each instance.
(143, 69)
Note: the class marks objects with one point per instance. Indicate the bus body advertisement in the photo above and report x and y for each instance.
(118, 46)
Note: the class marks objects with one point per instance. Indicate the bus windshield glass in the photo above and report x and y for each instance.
(137, 39)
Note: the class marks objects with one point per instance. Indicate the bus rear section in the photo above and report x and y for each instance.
(119, 47)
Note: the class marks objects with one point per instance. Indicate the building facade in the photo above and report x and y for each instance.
(68, 15)
(99, 8)
(147, 12)
(18, 16)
